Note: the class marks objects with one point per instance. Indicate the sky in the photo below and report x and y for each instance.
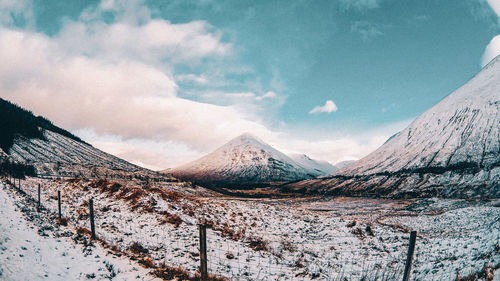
(161, 83)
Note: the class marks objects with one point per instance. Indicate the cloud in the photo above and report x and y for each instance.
(492, 50)
(339, 146)
(117, 79)
(267, 95)
(197, 79)
(360, 4)
(495, 5)
(154, 42)
(367, 30)
(114, 83)
(329, 107)
(16, 13)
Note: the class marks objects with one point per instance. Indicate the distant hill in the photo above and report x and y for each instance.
(451, 150)
(316, 167)
(17, 121)
(246, 161)
(34, 140)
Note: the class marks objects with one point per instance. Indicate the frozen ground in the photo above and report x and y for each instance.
(37, 251)
(286, 239)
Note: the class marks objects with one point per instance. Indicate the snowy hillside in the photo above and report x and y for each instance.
(40, 251)
(244, 161)
(57, 153)
(314, 166)
(343, 164)
(452, 149)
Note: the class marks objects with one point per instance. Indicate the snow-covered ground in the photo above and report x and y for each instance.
(38, 250)
(283, 239)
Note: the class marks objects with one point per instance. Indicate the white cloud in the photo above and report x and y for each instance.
(114, 84)
(367, 30)
(360, 4)
(338, 146)
(492, 50)
(154, 42)
(197, 79)
(267, 95)
(329, 107)
(116, 79)
(495, 5)
(16, 12)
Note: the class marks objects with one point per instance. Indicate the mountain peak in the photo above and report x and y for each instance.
(452, 149)
(246, 161)
(246, 138)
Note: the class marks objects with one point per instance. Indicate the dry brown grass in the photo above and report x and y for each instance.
(166, 217)
(147, 262)
(227, 231)
(258, 244)
(137, 248)
(82, 230)
(63, 221)
(166, 272)
(167, 194)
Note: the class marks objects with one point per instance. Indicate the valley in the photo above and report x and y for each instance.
(307, 238)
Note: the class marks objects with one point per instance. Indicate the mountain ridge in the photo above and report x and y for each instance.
(34, 140)
(452, 150)
(243, 161)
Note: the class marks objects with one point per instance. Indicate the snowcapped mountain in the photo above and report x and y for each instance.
(34, 140)
(314, 166)
(343, 164)
(60, 155)
(452, 149)
(245, 161)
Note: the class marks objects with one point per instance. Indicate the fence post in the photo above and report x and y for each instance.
(92, 226)
(409, 258)
(203, 252)
(59, 203)
(38, 196)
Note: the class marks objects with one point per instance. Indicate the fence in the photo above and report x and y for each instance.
(259, 255)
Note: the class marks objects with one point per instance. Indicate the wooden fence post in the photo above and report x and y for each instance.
(203, 252)
(409, 258)
(38, 196)
(92, 226)
(59, 203)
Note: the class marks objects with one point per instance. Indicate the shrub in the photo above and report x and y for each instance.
(167, 194)
(170, 218)
(351, 224)
(63, 221)
(258, 244)
(137, 248)
(147, 262)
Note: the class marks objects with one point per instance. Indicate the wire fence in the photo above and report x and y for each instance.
(264, 255)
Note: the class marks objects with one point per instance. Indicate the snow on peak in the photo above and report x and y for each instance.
(245, 160)
(247, 139)
(463, 129)
(318, 166)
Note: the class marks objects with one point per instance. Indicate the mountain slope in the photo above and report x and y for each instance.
(51, 150)
(15, 120)
(313, 166)
(452, 149)
(244, 161)
(343, 164)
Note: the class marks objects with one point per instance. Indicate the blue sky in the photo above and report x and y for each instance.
(332, 79)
